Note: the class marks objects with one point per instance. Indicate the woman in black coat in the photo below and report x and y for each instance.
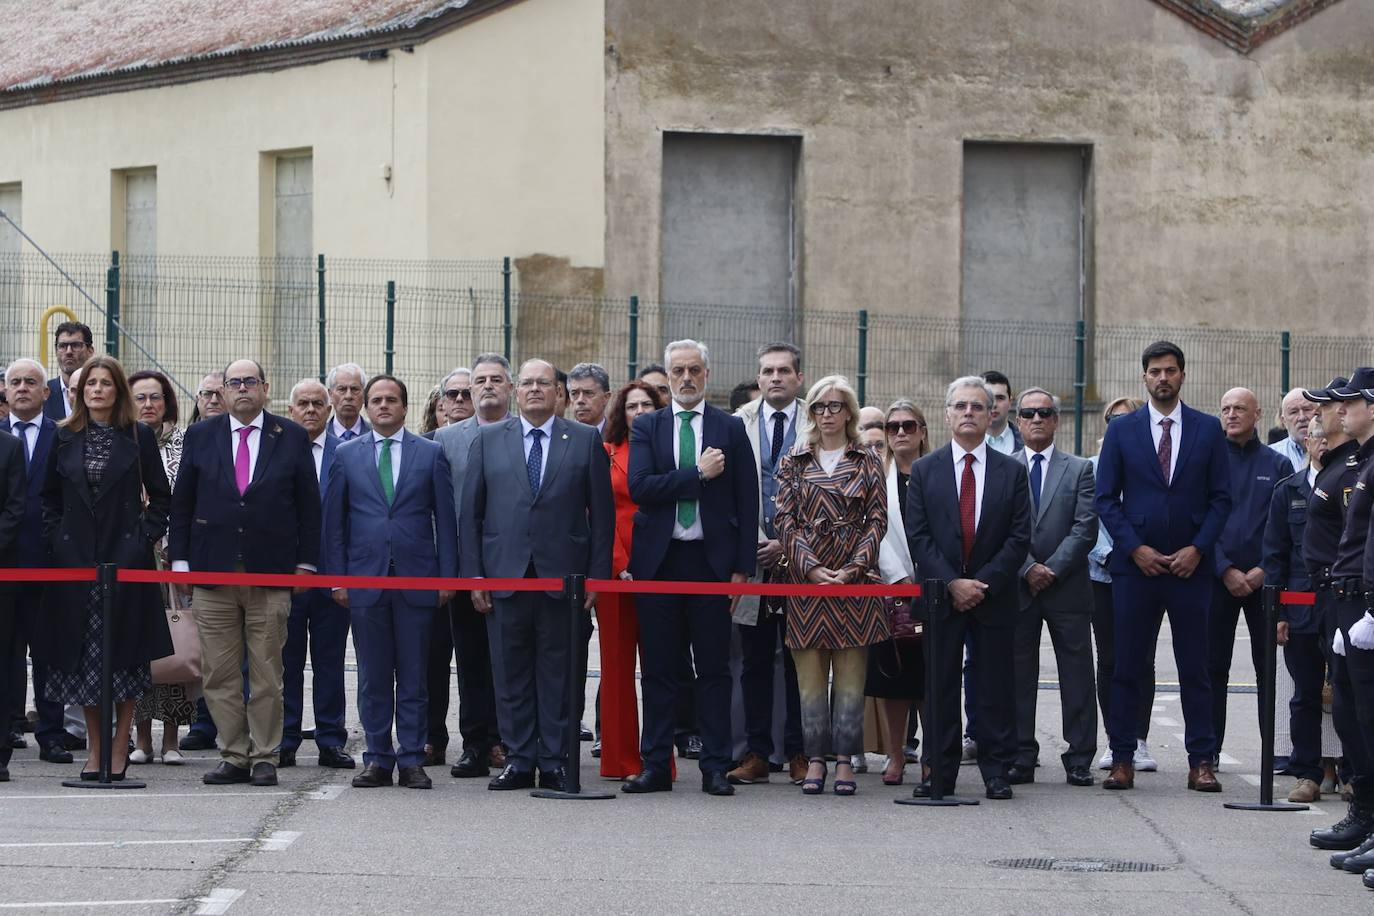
(101, 465)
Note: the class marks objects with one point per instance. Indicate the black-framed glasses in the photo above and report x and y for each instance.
(1043, 413)
(249, 382)
(830, 407)
(72, 345)
(894, 427)
(206, 394)
(458, 394)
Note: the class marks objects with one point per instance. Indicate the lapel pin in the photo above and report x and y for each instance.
(565, 435)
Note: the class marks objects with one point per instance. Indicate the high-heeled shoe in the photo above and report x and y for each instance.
(844, 787)
(894, 780)
(119, 777)
(811, 785)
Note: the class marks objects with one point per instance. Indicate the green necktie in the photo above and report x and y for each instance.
(384, 468)
(686, 458)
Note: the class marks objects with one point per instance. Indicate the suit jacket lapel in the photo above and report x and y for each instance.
(267, 446)
(1145, 428)
(47, 431)
(515, 446)
(123, 455)
(993, 485)
(948, 489)
(1053, 474)
(326, 462)
(369, 457)
(408, 459)
(71, 461)
(667, 428)
(1194, 421)
(558, 448)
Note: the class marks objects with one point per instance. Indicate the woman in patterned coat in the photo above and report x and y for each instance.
(831, 518)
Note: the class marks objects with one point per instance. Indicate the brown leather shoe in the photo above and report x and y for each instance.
(1122, 776)
(751, 769)
(498, 756)
(796, 769)
(1202, 779)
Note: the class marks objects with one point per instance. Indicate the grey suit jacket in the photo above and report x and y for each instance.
(1064, 530)
(567, 529)
(456, 441)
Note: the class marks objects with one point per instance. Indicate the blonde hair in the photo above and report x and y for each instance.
(1131, 404)
(840, 385)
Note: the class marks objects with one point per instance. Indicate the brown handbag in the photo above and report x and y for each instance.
(183, 665)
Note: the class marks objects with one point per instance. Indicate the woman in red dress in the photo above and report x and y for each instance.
(615, 614)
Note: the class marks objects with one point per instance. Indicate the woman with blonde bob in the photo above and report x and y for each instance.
(831, 518)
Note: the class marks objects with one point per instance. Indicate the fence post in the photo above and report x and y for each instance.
(390, 350)
(1080, 383)
(863, 355)
(633, 362)
(319, 271)
(112, 306)
(505, 304)
(1285, 348)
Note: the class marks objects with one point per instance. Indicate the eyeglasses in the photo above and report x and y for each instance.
(249, 382)
(210, 394)
(458, 394)
(527, 383)
(1044, 413)
(144, 398)
(894, 427)
(830, 407)
(73, 345)
(975, 406)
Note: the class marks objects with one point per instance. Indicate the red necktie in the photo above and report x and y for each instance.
(968, 508)
(1166, 448)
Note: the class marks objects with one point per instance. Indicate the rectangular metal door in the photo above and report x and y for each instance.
(293, 325)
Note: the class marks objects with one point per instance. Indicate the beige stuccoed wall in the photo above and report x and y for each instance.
(1229, 191)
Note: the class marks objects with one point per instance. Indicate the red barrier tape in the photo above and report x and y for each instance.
(1298, 598)
(266, 580)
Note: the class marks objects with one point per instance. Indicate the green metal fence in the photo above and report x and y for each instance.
(419, 319)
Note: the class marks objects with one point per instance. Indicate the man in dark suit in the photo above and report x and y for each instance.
(316, 620)
(1055, 591)
(74, 347)
(345, 383)
(537, 503)
(692, 476)
(389, 512)
(246, 500)
(13, 503)
(1164, 493)
(969, 524)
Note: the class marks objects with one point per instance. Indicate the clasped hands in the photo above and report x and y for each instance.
(1181, 563)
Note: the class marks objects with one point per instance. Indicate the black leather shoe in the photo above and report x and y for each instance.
(584, 733)
(196, 741)
(1019, 775)
(1359, 864)
(716, 784)
(998, 789)
(336, 758)
(1338, 858)
(1348, 832)
(414, 778)
(226, 774)
(54, 752)
(73, 743)
(286, 758)
(470, 765)
(511, 778)
(596, 748)
(1368, 879)
(264, 774)
(1079, 776)
(434, 756)
(647, 781)
(17, 741)
(4, 773)
(555, 779)
(372, 777)
(693, 751)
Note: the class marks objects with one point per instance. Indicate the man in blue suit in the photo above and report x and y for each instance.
(315, 618)
(692, 476)
(73, 344)
(389, 512)
(1164, 493)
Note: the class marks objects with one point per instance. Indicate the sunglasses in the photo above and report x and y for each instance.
(903, 426)
(1044, 413)
(830, 407)
(458, 394)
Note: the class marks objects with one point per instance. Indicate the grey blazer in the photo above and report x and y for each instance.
(568, 528)
(456, 441)
(1064, 530)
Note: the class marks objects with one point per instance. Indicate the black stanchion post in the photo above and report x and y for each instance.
(935, 598)
(105, 582)
(1269, 652)
(575, 591)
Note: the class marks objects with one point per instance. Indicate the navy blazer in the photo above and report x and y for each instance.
(55, 407)
(728, 505)
(272, 528)
(1139, 507)
(32, 552)
(1003, 539)
(414, 535)
(13, 505)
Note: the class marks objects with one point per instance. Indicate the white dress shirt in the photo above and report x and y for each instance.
(547, 428)
(30, 434)
(66, 397)
(1175, 433)
(1312, 476)
(395, 440)
(339, 430)
(254, 440)
(317, 452)
(693, 533)
(766, 435)
(1044, 466)
(980, 465)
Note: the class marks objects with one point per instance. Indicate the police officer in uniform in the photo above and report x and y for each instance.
(1352, 670)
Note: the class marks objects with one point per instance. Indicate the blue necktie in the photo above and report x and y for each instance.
(1035, 479)
(534, 462)
(22, 431)
(347, 434)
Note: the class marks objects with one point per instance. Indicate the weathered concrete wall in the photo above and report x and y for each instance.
(1227, 191)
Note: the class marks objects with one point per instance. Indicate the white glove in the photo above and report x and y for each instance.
(1362, 633)
(1338, 643)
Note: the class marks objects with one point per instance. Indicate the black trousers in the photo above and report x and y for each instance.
(1104, 633)
(460, 632)
(1221, 643)
(1352, 701)
(1307, 666)
(8, 632)
(1071, 636)
(996, 718)
(762, 645)
(668, 624)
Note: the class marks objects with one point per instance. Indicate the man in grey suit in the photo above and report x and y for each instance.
(1056, 590)
(537, 503)
(489, 389)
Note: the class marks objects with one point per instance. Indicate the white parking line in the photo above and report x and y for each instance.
(1253, 780)
(219, 901)
(84, 904)
(78, 795)
(1167, 721)
(121, 843)
(326, 793)
(1228, 760)
(278, 840)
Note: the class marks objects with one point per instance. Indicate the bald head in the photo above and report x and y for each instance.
(1239, 414)
(870, 418)
(1296, 412)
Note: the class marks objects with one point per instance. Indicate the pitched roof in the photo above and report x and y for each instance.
(1245, 24)
(58, 45)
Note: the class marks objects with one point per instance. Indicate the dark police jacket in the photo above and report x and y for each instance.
(1326, 506)
(1283, 560)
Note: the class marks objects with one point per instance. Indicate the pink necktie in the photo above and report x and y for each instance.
(241, 474)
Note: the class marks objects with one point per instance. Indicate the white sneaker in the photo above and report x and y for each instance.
(1105, 763)
(173, 758)
(970, 752)
(138, 756)
(859, 762)
(1144, 760)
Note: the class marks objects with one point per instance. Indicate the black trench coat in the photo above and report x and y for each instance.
(81, 530)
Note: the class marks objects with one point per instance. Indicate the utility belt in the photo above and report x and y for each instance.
(1321, 579)
(1352, 588)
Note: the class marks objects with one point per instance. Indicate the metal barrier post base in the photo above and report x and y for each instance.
(1260, 806)
(122, 784)
(949, 801)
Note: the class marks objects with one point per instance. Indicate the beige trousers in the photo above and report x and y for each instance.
(234, 620)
